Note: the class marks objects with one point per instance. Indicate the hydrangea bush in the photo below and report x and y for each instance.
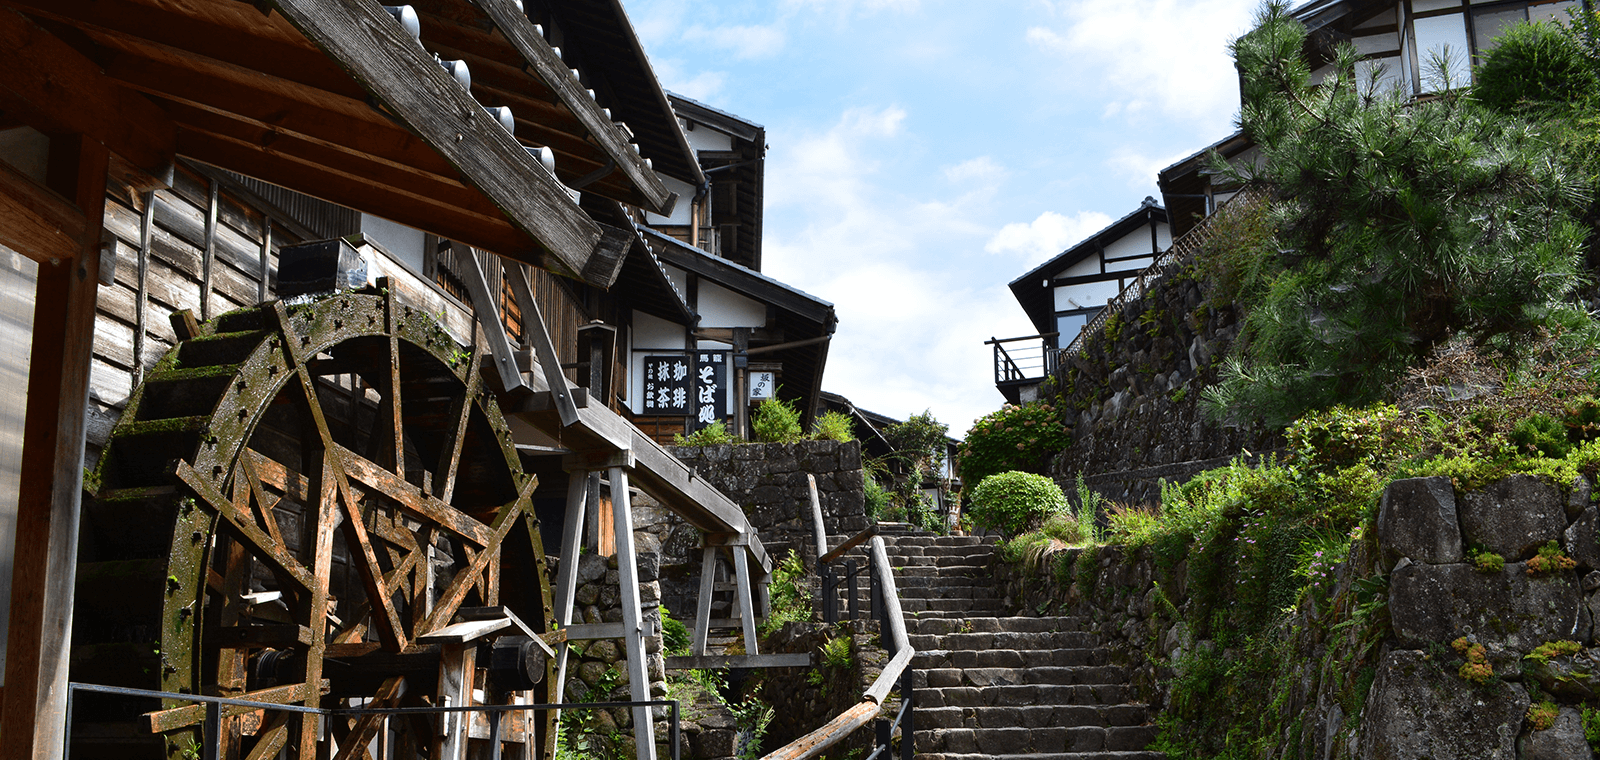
(1012, 438)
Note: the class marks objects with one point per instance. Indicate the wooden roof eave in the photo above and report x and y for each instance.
(403, 77)
(542, 61)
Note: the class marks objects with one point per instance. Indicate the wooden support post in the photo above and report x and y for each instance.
(578, 485)
(644, 733)
(487, 309)
(747, 608)
(534, 331)
(457, 665)
(702, 613)
(46, 550)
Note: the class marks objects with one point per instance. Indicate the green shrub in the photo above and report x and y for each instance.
(1550, 649)
(877, 497)
(834, 426)
(1534, 65)
(713, 434)
(789, 594)
(1551, 560)
(1012, 438)
(836, 653)
(1486, 562)
(1542, 435)
(1591, 727)
(1014, 501)
(1343, 437)
(1581, 416)
(675, 637)
(777, 421)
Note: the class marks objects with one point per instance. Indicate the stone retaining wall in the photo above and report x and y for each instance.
(1418, 704)
(1133, 392)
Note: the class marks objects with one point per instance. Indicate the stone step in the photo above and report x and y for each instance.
(1005, 640)
(946, 591)
(1043, 743)
(993, 624)
(1009, 658)
(895, 540)
(1058, 675)
(1025, 694)
(1031, 716)
(911, 605)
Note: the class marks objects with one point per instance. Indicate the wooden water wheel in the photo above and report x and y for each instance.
(296, 504)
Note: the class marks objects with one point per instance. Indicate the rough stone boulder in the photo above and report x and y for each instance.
(1439, 603)
(1417, 519)
(1561, 741)
(1582, 539)
(1513, 517)
(1575, 676)
(1419, 708)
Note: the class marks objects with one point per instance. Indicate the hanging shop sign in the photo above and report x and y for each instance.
(668, 385)
(711, 386)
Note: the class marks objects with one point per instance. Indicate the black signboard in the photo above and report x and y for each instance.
(711, 386)
(668, 385)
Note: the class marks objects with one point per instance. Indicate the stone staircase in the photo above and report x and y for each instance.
(993, 686)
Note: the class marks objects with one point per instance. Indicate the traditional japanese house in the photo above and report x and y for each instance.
(477, 170)
(1063, 294)
(1402, 42)
(742, 336)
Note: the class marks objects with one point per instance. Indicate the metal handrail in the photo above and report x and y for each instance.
(212, 721)
(1183, 248)
(896, 671)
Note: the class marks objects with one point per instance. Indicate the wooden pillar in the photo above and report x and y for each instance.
(702, 613)
(579, 485)
(46, 552)
(644, 734)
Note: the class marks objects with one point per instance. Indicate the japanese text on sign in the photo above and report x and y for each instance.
(667, 383)
(711, 383)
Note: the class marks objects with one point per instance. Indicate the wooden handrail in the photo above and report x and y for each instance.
(817, 529)
(850, 543)
(845, 723)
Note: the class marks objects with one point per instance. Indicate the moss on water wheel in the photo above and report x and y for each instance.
(290, 500)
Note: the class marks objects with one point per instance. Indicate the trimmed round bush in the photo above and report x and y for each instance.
(1534, 65)
(1012, 502)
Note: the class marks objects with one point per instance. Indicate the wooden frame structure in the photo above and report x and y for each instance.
(330, 98)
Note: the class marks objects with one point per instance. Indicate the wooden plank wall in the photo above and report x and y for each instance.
(193, 246)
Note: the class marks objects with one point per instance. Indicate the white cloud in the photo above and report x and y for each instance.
(699, 85)
(1047, 235)
(745, 42)
(914, 304)
(982, 169)
(1140, 169)
(1161, 55)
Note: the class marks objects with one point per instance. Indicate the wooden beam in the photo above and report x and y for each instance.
(36, 221)
(45, 556)
(542, 59)
(58, 82)
(405, 79)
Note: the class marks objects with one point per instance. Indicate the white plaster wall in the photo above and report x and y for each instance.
(649, 335)
(720, 307)
(703, 138)
(680, 212)
(1085, 296)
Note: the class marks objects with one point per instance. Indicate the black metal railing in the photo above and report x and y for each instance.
(211, 725)
(1030, 357)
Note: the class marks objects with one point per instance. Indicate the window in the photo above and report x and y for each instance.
(1070, 323)
(1464, 30)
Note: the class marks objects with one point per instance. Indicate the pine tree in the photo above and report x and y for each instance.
(1398, 225)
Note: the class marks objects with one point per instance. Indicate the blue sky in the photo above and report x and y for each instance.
(924, 153)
